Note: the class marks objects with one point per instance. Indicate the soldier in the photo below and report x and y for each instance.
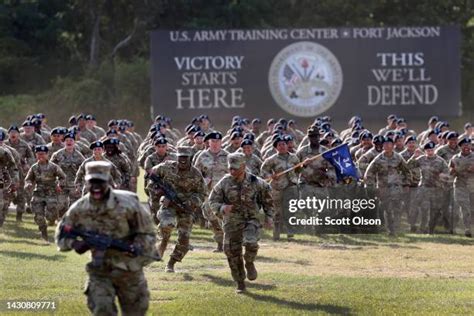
(69, 159)
(388, 173)
(27, 157)
(160, 155)
(265, 134)
(235, 140)
(121, 161)
(119, 215)
(434, 174)
(252, 161)
(30, 136)
(97, 148)
(462, 168)
(391, 124)
(8, 176)
(364, 161)
(198, 142)
(47, 179)
(91, 124)
(365, 144)
(86, 133)
(57, 137)
(237, 199)
(273, 165)
(189, 185)
(212, 163)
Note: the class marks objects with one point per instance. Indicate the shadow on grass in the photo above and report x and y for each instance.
(229, 283)
(22, 241)
(31, 256)
(331, 309)
(276, 260)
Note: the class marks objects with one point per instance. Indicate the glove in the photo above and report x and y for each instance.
(80, 246)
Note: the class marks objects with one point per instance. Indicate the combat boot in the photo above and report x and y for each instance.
(240, 287)
(170, 266)
(219, 248)
(251, 271)
(19, 216)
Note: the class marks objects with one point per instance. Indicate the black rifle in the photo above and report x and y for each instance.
(170, 194)
(101, 242)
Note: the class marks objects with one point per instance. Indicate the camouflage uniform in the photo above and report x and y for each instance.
(69, 163)
(119, 216)
(213, 167)
(54, 147)
(412, 204)
(364, 161)
(241, 226)
(190, 188)
(27, 160)
(429, 188)
(388, 175)
(8, 174)
(464, 186)
(115, 179)
(33, 140)
(285, 184)
(124, 166)
(44, 203)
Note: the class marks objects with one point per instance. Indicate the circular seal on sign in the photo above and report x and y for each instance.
(305, 79)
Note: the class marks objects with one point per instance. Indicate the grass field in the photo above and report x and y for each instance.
(333, 274)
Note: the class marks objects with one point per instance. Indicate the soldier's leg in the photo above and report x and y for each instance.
(100, 294)
(51, 212)
(216, 226)
(277, 217)
(289, 193)
(154, 208)
(62, 204)
(167, 218)
(133, 294)
(251, 235)
(436, 204)
(2, 213)
(38, 207)
(185, 225)
(396, 206)
(233, 249)
(20, 201)
(464, 200)
(388, 213)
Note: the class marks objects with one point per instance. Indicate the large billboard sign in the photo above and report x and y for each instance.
(411, 71)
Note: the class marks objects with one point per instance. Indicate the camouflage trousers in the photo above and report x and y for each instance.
(431, 202)
(239, 233)
(281, 217)
(464, 200)
(415, 210)
(3, 213)
(216, 223)
(390, 204)
(44, 206)
(130, 287)
(309, 190)
(169, 219)
(66, 198)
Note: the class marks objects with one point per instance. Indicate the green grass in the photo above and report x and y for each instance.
(332, 274)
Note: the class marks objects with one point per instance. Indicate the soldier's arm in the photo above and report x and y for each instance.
(79, 180)
(267, 169)
(371, 174)
(148, 164)
(61, 176)
(216, 199)
(266, 198)
(29, 156)
(30, 177)
(63, 243)
(12, 168)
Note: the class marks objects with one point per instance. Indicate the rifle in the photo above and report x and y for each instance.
(170, 194)
(101, 242)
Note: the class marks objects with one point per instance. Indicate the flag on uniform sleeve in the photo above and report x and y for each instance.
(340, 158)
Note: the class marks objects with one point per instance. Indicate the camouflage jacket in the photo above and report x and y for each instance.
(246, 197)
(89, 135)
(121, 216)
(387, 171)
(447, 152)
(316, 173)
(33, 140)
(253, 164)
(69, 163)
(430, 170)
(361, 151)
(116, 176)
(278, 163)
(52, 147)
(8, 166)
(415, 173)
(153, 160)
(124, 166)
(188, 184)
(45, 177)
(212, 166)
(364, 161)
(26, 154)
(464, 178)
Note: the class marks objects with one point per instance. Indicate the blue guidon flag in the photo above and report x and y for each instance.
(340, 158)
